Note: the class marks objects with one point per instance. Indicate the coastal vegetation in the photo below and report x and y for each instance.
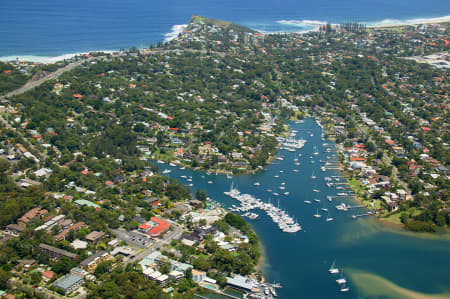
(215, 99)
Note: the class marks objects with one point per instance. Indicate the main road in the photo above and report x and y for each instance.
(35, 83)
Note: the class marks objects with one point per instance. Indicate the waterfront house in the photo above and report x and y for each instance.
(198, 275)
(242, 283)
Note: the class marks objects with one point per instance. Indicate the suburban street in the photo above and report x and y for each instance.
(157, 244)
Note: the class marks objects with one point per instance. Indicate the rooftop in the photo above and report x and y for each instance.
(68, 281)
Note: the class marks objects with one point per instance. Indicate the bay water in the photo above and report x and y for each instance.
(371, 256)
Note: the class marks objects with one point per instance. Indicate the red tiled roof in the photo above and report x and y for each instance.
(357, 159)
(145, 226)
(49, 274)
(161, 227)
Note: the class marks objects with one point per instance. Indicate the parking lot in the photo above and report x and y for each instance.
(133, 238)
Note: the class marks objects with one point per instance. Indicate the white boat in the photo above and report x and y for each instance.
(324, 209)
(165, 171)
(333, 269)
(316, 190)
(171, 164)
(313, 176)
(276, 176)
(317, 215)
(272, 290)
(286, 193)
(341, 281)
(344, 288)
(256, 184)
(307, 201)
(210, 182)
(183, 168)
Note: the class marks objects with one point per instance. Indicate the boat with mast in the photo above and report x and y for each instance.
(333, 269)
(341, 280)
(345, 288)
(317, 215)
(329, 218)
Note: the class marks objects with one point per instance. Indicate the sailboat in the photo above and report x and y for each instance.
(315, 151)
(329, 218)
(313, 176)
(317, 215)
(333, 269)
(344, 288)
(341, 280)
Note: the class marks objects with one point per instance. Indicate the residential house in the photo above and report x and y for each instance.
(95, 236)
(48, 275)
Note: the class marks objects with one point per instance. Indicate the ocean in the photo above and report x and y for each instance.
(376, 261)
(48, 30)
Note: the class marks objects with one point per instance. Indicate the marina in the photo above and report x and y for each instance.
(334, 235)
(248, 202)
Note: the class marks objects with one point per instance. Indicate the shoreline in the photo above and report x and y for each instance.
(390, 226)
(179, 28)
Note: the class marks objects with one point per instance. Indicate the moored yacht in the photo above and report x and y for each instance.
(344, 288)
(317, 215)
(333, 269)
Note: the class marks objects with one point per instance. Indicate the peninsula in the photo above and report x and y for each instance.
(85, 209)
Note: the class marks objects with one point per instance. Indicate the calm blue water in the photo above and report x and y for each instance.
(55, 27)
(300, 261)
